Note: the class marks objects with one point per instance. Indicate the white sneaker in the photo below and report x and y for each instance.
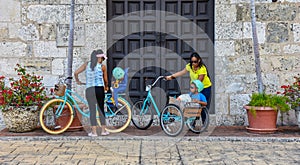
(92, 135)
(105, 133)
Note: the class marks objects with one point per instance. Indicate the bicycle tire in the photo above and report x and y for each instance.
(119, 119)
(171, 120)
(141, 120)
(196, 124)
(56, 123)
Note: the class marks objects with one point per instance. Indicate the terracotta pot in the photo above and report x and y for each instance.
(76, 124)
(264, 121)
(21, 119)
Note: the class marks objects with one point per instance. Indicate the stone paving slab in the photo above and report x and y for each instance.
(219, 145)
(95, 151)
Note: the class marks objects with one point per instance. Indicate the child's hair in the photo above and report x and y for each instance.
(198, 84)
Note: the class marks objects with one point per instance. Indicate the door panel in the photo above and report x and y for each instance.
(158, 43)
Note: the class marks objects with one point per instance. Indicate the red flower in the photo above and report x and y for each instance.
(28, 98)
(2, 101)
(285, 86)
(292, 92)
(27, 90)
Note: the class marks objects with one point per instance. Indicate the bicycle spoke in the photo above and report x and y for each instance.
(119, 120)
(142, 118)
(200, 123)
(171, 120)
(56, 118)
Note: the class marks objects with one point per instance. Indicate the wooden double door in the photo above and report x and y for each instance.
(157, 37)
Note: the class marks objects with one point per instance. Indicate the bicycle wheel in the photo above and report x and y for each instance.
(171, 120)
(198, 124)
(117, 120)
(142, 118)
(56, 116)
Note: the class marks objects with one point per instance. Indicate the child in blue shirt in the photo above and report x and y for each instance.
(195, 88)
(193, 96)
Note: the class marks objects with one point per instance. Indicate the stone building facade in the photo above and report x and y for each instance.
(278, 37)
(34, 33)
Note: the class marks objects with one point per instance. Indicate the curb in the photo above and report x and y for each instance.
(147, 138)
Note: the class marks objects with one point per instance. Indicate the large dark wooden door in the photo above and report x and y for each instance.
(157, 37)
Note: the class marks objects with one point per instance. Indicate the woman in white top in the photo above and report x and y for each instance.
(96, 84)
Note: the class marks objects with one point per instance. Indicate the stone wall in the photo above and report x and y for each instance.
(34, 33)
(278, 35)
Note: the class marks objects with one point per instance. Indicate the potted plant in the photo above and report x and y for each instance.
(21, 100)
(262, 112)
(262, 107)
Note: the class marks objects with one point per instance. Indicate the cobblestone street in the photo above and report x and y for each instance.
(219, 145)
(151, 151)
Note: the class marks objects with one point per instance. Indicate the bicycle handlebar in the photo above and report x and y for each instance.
(63, 80)
(159, 77)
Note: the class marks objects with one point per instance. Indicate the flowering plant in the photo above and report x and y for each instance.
(292, 92)
(28, 90)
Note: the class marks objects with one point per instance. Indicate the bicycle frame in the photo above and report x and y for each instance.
(109, 111)
(150, 99)
(68, 97)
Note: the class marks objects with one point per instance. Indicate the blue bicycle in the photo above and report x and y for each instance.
(57, 114)
(171, 118)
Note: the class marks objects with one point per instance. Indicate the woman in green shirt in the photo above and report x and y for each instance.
(197, 70)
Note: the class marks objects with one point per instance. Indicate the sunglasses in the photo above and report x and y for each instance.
(191, 87)
(194, 62)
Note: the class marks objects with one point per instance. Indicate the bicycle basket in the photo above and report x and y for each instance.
(192, 110)
(59, 89)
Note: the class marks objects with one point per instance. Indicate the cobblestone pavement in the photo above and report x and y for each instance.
(149, 151)
(222, 145)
